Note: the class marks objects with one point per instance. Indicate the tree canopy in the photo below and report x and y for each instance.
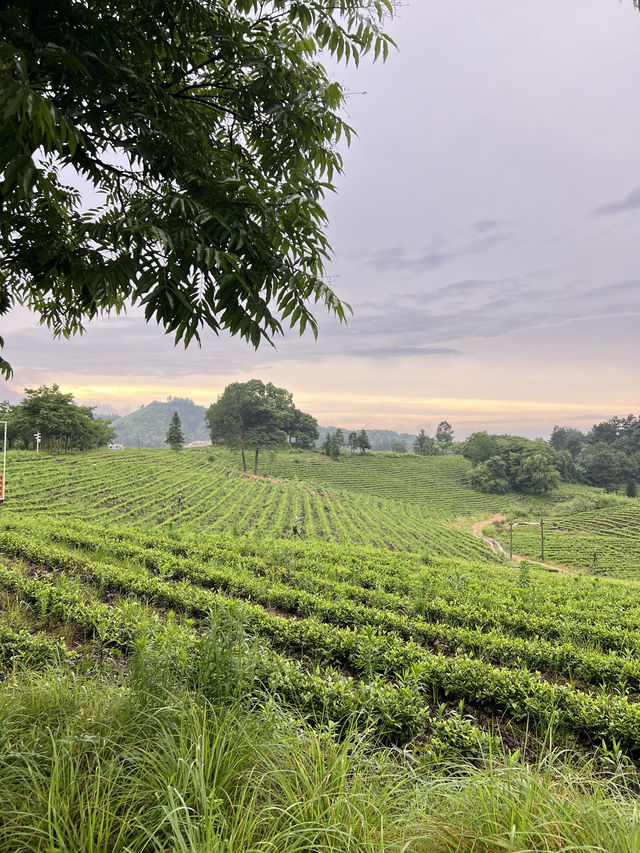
(62, 423)
(332, 444)
(209, 131)
(517, 464)
(444, 436)
(303, 430)
(424, 445)
(251, 415)
(175, 436)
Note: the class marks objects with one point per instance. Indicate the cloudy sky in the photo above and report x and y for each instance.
(486, 232)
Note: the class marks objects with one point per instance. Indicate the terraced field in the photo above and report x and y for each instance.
(144, 488)
(443, 650)
(428, 637)
(440, 484)
(613, 533)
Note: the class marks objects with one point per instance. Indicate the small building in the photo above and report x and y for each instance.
(198, 444)
(112, 446)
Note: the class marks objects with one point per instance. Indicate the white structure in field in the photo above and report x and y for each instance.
(115, 446)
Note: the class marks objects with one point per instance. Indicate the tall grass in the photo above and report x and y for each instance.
(98, 765)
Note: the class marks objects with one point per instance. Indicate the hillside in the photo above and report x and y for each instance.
(405, 635)
(147, 426)
(170, 648)
(440, 484)
(143, 487)
(603, 541)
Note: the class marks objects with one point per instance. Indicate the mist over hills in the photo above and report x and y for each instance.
(147, 426)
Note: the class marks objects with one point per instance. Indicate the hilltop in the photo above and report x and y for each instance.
(147, 426)
(150, 422)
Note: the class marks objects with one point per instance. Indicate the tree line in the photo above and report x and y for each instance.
(251, 416)
(62, 424)
(607, 456)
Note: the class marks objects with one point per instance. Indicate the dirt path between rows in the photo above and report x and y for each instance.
(497, 548)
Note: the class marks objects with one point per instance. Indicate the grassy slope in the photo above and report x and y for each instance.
(440, 484)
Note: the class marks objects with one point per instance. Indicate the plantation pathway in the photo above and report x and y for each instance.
(497, 548)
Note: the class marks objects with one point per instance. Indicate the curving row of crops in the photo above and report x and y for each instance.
(160, 488)
(409, 647)
(603, 542)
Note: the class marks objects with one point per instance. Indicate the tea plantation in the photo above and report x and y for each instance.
(386, 622)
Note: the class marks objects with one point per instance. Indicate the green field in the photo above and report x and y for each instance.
(386, 623)
(439, 484)
(407, 635)
(613, 533)
(142, 487)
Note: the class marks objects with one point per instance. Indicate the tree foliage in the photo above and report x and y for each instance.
(362, 442)
(444, 436)
(491, 476)
(62, 424)
(608, 456)
(303, 430)
(175, 436)
(479, 447)
(332, 444)
(567, 438)
(518, 464)
(251, 415)
(604, 466)
(209, 130)
(424, 445)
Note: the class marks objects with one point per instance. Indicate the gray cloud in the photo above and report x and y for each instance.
(420, 323)
(384, 352)
(484, 225)
(629, 203)
(124, 346)
(400, 259)
(479, 309)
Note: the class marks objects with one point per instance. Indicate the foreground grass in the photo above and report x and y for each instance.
(87, 764)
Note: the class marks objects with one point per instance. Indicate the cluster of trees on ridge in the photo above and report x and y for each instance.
(608, 456)
(423, 444)
(334, 442)
(62, 424)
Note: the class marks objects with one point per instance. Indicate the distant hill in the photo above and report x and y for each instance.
(381, 439)
(150, 423)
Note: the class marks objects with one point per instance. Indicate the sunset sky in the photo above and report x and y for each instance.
(486, 232)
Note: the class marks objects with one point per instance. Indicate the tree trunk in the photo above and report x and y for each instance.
(244, 461)
(255, 461)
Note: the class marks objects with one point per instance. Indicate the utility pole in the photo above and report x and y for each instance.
(4, 462)
(138, 437)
